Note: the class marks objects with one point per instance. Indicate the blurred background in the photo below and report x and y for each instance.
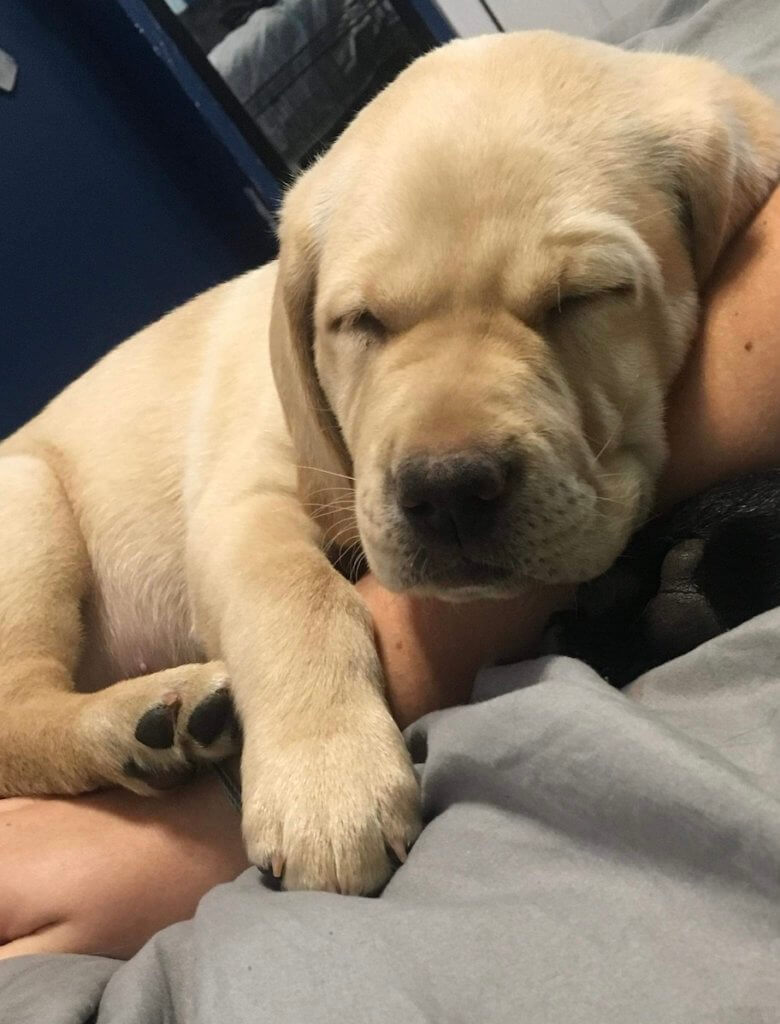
(144, 145)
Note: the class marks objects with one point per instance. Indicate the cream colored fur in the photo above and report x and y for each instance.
(504, 249)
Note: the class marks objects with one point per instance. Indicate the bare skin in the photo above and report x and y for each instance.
(724, 414)
(102, 873)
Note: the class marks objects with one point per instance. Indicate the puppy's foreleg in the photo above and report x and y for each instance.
(328, 785)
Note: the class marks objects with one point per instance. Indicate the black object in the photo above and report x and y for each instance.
(700, 569)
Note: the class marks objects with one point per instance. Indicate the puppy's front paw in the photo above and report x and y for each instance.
(150, 733)
(334, 812)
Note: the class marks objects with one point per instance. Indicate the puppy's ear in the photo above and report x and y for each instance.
(724, 153)
(320, 451)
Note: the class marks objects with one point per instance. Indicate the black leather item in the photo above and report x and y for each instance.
(704, 567)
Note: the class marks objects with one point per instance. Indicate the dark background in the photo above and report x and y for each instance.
(116, 202)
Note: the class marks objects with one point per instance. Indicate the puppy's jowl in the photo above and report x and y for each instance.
(484, 291)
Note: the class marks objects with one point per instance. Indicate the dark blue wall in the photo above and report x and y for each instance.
(116, 203)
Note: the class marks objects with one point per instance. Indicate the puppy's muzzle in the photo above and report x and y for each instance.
(454, 499)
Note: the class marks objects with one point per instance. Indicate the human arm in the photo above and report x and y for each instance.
(724, 410)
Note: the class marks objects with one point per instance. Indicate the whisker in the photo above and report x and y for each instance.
(319, 506)
(355, 551)
(333, 541)
(357, 555)
(650, 216)
(315, 508)
(349, 496)
(607, 443)
(353, 561)
(334, 528)
(327, 472)
(612, 501)
(345, 518)
(614, 433)
(600, 514)
(331, 489)
(346, 513)
(413, 559)
(342, 552)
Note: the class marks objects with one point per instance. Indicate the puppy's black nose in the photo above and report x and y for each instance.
(452, 498)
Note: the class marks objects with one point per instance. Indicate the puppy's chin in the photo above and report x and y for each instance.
(462, 594)
(466, 581)
(426, 574)
(456, 580)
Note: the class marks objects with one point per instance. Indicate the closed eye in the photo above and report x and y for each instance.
(570, 301)
(360, 321)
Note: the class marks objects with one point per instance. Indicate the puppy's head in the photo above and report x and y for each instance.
(486, 288)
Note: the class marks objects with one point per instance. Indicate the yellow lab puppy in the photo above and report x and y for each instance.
(459, 364)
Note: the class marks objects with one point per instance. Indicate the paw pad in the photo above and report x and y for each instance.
(156, 727)
(210, 717)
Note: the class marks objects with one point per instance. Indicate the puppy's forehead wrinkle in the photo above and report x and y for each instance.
(604, 250)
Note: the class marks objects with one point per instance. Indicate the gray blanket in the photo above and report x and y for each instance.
(590, 856)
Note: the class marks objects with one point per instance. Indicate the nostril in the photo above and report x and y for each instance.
(410, 499)
(491, 485)
(417, 508)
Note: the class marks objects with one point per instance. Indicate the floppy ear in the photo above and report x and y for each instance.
(725, 151)
(324, 465)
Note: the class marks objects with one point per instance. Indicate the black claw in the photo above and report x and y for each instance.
(268, 879)
(393, 857)
(210, 717)
(159, 779)
(157, 727)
